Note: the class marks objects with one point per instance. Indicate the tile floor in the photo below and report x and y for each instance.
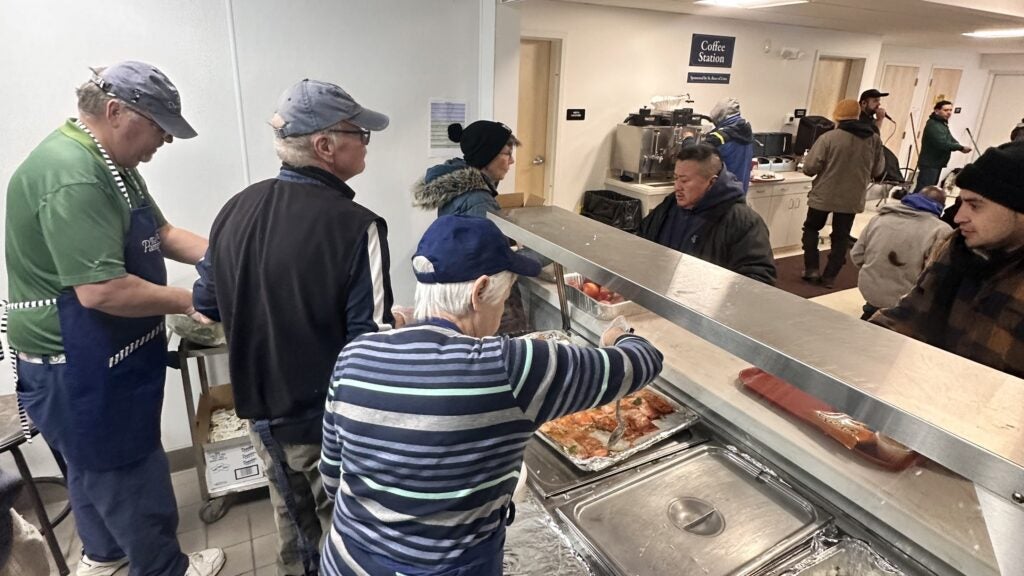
(246, 533)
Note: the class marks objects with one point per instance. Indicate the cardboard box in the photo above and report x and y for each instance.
(231, 465)
(519, 200)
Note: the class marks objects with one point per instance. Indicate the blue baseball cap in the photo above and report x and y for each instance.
(311, 106)
(464, 248)
(145, 88)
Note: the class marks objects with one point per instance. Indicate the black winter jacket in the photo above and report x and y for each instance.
(733, 236)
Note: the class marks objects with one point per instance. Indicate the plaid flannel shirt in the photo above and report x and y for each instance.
(986, 322)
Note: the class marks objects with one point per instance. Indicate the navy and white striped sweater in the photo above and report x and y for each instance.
(425, 428)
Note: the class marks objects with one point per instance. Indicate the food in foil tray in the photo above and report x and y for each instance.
(202, 334)
(550, 335)
(225, 425)
(595, 290)
(580, 435)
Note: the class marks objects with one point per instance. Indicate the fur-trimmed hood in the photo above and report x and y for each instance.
(445, 182)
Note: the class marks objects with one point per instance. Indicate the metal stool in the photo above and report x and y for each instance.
(11, 439)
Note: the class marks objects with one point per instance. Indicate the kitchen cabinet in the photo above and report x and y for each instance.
(783, 206)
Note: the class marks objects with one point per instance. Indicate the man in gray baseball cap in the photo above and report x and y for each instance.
(296, 269)
(147, 90)
(86, 244)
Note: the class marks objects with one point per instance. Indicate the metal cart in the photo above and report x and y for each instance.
(215, 503)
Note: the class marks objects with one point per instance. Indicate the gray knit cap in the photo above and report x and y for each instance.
(724, 109)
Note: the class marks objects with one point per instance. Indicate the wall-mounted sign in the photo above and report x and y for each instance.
(956, 110)
(800, 112)
(712, 51)
(707, 78)
(575, 114)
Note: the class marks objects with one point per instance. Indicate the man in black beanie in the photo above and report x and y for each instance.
(970, 299)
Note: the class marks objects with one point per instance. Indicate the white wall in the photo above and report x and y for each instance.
(616, 59)
(392, 55)
(1003, 62)
(969, 98)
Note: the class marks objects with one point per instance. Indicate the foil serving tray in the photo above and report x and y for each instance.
(668, 425)
(551, 474)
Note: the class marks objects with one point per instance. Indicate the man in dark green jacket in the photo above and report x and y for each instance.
(708, 217)
(936, 145)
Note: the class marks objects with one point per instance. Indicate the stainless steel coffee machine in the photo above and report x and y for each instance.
(645, 145)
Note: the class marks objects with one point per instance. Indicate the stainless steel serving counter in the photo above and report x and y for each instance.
(958, 413)
(928, 506)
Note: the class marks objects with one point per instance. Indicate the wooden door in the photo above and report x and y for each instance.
(535, 91)
(831, 78)
(943, 85)
(899, 82)
(1004, 109)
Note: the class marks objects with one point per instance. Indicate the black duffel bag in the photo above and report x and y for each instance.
(613, 209)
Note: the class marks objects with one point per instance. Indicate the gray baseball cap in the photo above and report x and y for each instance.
(311, 106)
(145, 88)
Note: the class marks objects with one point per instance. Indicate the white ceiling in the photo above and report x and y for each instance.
(921, 23)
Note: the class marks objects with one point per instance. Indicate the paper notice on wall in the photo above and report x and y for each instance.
(443, 113)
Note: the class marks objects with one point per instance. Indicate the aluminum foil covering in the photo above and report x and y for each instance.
(535, 546)
(843, 556)
(202, 334)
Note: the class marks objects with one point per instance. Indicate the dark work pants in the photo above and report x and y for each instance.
(869, 311)
(128, 511)
(842, 223)
(927, 177)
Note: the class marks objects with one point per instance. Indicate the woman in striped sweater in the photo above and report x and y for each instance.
(425, 426)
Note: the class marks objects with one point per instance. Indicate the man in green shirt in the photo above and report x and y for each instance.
(85, 244)
(937, 143)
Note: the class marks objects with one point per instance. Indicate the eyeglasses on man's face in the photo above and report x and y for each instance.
(156, 127)
(364, 135)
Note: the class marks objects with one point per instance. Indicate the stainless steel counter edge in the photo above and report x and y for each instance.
(866, 493)
(958, 413)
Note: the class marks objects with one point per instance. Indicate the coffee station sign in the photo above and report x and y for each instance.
(712, 51)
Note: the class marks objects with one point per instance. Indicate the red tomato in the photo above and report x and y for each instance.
(592, 290)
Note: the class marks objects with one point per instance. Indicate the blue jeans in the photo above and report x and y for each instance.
(128, 511)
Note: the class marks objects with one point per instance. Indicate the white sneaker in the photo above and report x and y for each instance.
(205, 563)
(89, 567)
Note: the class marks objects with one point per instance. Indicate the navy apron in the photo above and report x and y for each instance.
(115, 365)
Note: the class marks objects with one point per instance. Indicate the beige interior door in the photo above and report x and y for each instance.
(943, 85)
(831, 78)
(1003, 110)
(532, 129)
(899, 82)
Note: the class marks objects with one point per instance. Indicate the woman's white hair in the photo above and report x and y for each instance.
(298, 150)
(455, 299)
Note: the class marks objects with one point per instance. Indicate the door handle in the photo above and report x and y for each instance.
(537, 160)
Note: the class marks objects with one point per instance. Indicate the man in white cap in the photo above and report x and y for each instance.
(296, 269)
(86, 244)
